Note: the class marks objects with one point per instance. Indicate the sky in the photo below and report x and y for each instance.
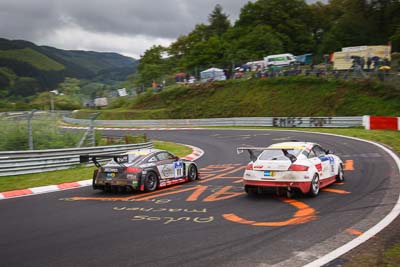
(128, 27)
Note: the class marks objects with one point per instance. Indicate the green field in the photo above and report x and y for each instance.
(32, 57)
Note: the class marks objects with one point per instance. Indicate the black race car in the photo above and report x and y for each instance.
(144, 170)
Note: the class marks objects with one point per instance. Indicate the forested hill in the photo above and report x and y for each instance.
(26, 69)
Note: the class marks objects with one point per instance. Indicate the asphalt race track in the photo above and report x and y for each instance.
(210, 222)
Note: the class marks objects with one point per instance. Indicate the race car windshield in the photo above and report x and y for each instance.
(135, 158)
(277, 154)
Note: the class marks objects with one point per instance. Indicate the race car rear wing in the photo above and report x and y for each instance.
(253, 157)
(250, 150)
(120, 159)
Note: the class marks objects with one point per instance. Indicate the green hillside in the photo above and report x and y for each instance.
(28, 69)
(33, 58)
(285, 96)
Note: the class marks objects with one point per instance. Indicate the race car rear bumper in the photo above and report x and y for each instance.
(303, 186)
(103, 183)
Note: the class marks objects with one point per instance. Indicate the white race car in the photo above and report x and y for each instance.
(291, 166)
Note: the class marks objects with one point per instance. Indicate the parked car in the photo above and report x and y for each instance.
(280, 60)
(143, 170)
(291, 166)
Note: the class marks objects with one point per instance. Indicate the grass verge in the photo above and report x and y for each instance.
(8, 183)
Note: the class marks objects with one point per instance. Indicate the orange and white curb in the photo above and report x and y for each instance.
(196, 154)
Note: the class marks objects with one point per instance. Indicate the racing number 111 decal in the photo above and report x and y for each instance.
(178, 169)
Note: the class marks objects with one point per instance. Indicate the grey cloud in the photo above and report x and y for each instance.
(50, 21)
(165, 19)
(156, 18)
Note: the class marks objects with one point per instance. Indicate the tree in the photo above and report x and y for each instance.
(292, 19)
(219, 22)
(70, 86)
(253, 43)
(152, 66)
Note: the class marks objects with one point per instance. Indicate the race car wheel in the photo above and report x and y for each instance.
(150, 182)
(251, 191)
(340, 175)
(192, 173)
(314, 186)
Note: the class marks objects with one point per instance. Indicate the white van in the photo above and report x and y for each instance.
(280, 60)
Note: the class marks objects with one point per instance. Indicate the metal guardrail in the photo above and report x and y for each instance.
(239, 121)
(35, 161)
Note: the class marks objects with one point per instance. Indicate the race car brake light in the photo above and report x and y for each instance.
(249, 167)
(298, 168)
(132, 170)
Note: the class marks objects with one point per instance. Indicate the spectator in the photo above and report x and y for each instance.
(369, 62)
(375, 61)
(362, 63)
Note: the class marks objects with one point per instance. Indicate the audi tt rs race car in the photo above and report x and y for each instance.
(291, 166)
(144, 170)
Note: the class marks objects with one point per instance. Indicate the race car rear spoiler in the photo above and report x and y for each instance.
(120, 159)
(251, 150)
(253, 157)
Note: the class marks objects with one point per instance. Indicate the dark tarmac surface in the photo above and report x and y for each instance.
(210, 222)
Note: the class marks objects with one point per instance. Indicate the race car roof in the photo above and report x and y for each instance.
(292, 145)
(143, 152)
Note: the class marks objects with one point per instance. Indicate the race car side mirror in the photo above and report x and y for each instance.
(328, 151)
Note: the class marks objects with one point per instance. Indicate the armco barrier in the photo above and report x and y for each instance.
(240, 121)
(381, 123)
(24, 162)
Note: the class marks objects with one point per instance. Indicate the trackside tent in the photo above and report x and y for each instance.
(213, 74)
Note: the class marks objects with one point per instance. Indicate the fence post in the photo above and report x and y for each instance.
(30, 135)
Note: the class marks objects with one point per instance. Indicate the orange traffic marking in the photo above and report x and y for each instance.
(353, 231)
(125, 198)
(349, 165)
(304, 214)
(198, 190)
(223, 194)
(337, 191)
(228, 170)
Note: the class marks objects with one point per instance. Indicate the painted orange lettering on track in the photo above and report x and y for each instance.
(126, 198)
(337, 191)
(353, 231)
(303, 214)
(198, 190)
(222, 194)
(225, 171)
(349, 165)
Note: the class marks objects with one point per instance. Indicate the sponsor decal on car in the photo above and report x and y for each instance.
(318, 167)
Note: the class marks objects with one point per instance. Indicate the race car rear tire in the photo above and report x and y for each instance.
(314, 186)
(94, 179)
(192, 173)
(150, 182)
(250, 190)
(340, 174)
